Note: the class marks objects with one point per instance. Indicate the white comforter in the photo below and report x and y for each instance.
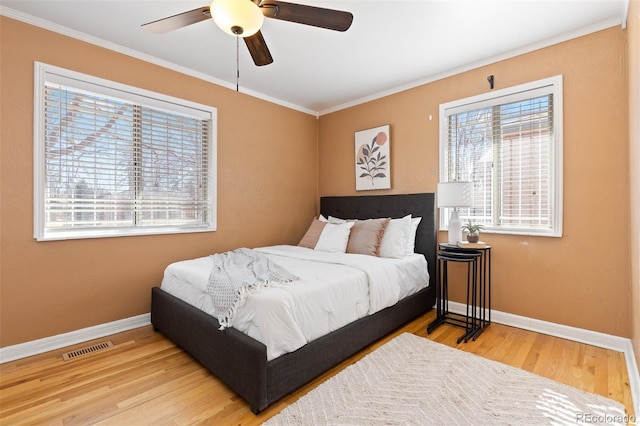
(334, 289)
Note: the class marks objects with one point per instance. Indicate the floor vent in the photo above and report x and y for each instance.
(88, 350)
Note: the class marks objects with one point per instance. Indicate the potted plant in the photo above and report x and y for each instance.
(473, 231)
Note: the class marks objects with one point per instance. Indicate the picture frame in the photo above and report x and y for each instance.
(372, 158)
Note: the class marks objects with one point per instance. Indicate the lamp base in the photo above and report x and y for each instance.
(455, 228)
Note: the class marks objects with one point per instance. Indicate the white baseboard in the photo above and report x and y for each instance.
(607, 341)
(593, 338)
(35, 347)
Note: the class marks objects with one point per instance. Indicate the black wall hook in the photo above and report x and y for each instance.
(490, 80)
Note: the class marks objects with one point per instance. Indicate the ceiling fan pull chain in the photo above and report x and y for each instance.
(237, 62)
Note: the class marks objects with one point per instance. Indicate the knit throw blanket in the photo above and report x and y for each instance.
(236, 275)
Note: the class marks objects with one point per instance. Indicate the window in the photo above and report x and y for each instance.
(509, 144)
(113, 160)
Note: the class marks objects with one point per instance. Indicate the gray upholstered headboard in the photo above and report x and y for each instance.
(393, 206)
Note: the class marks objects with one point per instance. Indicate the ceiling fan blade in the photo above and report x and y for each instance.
(308, 15)
(180, 20)
(258, 49)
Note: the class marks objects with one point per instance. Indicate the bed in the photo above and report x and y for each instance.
(241, 361)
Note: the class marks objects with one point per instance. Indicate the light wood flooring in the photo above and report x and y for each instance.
(145, 379)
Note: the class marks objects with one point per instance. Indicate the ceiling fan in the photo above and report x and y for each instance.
(244, 18)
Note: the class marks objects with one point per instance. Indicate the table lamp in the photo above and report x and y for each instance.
(455, 195)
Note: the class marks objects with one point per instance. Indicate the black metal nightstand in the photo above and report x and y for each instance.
(478, 311)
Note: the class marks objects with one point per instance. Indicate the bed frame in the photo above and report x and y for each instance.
(241, 361)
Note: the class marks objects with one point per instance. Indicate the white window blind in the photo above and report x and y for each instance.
(115, 160)
(509, 144)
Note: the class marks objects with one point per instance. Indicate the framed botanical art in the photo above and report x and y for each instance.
(372, 163)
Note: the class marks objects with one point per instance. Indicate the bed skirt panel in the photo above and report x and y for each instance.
(235, 358)
(293, 370)
(241, 361)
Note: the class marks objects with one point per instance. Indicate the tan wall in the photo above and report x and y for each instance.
(634, 133)
(267, 192)
(581, 279)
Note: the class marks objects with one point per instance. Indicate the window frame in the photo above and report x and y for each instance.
(552, 85)
(45, 72)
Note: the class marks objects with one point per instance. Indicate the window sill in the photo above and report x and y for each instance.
(115, 233)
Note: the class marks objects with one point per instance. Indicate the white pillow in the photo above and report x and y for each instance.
(411, 242)
(395, 239)
(334, 237)
(333, 219)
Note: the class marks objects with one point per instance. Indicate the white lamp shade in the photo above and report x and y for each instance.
(455, 194)
(245, 14)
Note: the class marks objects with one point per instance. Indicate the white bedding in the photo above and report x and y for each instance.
(334, 289)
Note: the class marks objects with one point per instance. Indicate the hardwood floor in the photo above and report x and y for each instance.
(145, 379)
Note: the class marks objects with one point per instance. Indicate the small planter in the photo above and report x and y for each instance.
(473, 231)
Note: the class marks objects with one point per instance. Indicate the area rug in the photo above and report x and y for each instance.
(411, 380)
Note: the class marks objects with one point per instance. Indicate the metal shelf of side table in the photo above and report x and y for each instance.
(478, 310)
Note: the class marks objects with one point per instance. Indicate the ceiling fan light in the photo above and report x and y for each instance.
(231, 14)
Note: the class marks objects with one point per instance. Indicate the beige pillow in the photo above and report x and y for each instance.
(366, 236)
(310, 239)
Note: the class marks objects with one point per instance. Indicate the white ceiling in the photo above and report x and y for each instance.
(392, 44)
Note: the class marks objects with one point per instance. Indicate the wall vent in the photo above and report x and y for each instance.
(88, 350)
